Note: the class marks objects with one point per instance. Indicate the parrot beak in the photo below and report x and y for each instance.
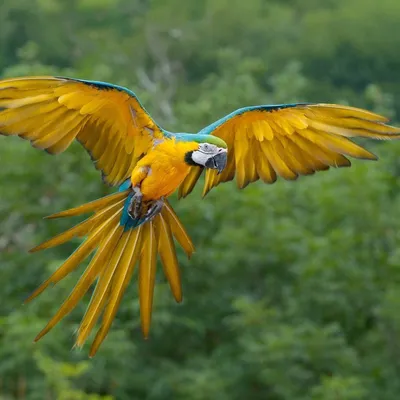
(218, 161)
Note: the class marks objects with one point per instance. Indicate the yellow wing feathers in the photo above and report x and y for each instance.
(52, 112)
(266, 143)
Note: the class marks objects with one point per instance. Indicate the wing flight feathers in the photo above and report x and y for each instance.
(52, 112)
(289, 140)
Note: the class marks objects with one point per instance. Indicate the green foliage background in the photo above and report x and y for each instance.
(294, 292)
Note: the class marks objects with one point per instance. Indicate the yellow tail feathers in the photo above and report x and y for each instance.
(116, 252)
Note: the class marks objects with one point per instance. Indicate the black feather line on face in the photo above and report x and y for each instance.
(189, 159)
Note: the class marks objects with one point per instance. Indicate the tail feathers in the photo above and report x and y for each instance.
(83, 228)
(147, 276)
(116, 252)
(93, 206)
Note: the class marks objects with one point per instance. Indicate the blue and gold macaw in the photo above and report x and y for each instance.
(147, 163)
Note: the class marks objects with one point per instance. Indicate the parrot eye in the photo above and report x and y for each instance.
(207, 148)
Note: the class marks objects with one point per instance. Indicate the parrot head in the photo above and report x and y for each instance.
(211, 152)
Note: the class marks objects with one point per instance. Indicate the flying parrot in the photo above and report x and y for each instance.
(136, 224)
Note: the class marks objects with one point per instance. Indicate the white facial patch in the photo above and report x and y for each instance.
(200, 158)
(208, 148)
(205, 152)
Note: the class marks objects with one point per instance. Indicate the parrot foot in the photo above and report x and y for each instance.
(135, 206)
(138, 210)
(154, 209)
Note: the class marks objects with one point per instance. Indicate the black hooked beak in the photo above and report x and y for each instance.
(218, 162)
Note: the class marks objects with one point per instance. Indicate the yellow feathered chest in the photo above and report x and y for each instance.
(163, 169)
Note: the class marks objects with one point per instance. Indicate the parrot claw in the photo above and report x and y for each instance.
(135, 205)
(154, 209)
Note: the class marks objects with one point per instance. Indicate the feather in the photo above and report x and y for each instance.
(189, 182)
(167, 252)
(34, 127)
(66, 140)
(120, 282)
(82, 228)
(93, 106)
(378, 132)
(177, 229)
(82, 252)
(345, 111)
(251, 164)
(293, 156)
(147, 275)
(293, 139)
(12, 115)
(308, 159)
(322, 154)
(90, 207)
(14, 93)
(337, 144)
(52, 112)
(241, 174)
(24, 101)
(271, 151)
(102, 256)
(265, 170)
(297, 120)
(51, 138)
(101, 291)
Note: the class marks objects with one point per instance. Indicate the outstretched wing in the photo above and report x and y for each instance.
(108, 120)
(289, 140)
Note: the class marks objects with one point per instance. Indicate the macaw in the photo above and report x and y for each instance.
(147, 164)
